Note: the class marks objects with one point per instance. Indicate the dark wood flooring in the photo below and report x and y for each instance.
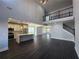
(40, 49)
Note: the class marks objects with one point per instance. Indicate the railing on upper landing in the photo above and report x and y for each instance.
(67, 12)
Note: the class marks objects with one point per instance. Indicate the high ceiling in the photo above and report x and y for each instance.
(53, 5)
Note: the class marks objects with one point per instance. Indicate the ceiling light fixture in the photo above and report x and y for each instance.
(43, 1)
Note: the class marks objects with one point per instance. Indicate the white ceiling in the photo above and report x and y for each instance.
(53, 5)
(24, 10)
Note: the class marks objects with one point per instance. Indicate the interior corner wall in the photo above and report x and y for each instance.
(76, 15)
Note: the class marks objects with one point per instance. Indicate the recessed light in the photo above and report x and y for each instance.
(43, 1)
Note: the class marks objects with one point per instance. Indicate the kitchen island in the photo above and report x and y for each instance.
(24, 37)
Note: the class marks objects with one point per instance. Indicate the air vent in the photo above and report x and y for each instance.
(9, 8)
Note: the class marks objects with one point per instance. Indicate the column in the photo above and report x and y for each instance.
(76, 15)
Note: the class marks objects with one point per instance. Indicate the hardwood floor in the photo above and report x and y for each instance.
(40, 49)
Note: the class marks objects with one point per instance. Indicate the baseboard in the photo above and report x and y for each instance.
(62, 39)
(3, 49)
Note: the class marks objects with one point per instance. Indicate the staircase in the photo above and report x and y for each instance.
(69, 29)
(60, 22)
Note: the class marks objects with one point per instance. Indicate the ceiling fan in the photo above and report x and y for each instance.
(43, 1)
